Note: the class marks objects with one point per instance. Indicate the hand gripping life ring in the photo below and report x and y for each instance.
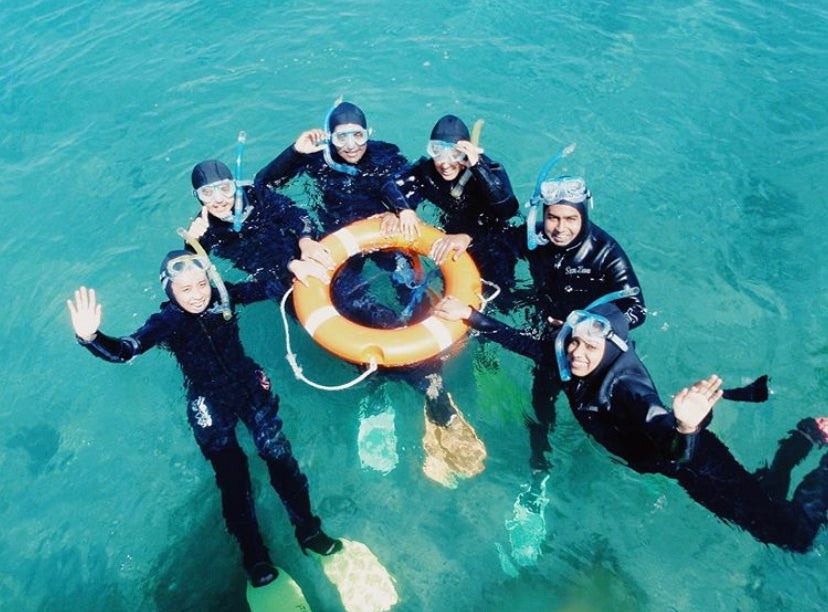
(386, 347)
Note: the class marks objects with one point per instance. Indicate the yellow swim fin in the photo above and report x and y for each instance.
(281, 595)
(452, 451)
(363, 583)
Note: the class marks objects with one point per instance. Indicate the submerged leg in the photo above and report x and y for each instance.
(285, 476)
(776, 478)
(233, 480)
(812, 495)
(717, 481)
(545, 390)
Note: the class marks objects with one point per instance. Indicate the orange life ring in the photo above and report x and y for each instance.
(387, 347)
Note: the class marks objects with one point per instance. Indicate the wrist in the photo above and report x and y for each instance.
(686, 430)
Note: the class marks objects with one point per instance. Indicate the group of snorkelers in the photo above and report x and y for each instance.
(585, 300)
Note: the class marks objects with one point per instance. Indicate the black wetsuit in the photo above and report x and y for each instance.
(620, 407)
(482, 210)
(224, 386)
(267, 241)
(345, 198)
(567, 278)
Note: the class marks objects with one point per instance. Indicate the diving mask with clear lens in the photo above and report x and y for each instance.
(216, 191)
(185, 263)
(446, 152)
(587, 326)
(350, 139)
(570, 189)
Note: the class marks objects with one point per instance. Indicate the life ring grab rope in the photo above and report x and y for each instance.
(297, 369)
(298, 372)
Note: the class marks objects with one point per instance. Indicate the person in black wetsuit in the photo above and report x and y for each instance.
(223, 386)
(614, 399)
(350, 169)
(267, 245)
(474, 196)
(572, 262)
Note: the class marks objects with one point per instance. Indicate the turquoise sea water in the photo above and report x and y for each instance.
(702, 129)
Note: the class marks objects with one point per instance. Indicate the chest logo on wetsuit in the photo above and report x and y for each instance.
(570, 270)
(202, 413)
(264, 381)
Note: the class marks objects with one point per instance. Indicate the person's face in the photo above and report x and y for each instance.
(351, 151)
(561, 223)
(218, 198)
(584, 355)
(191, 290)
(448, 170)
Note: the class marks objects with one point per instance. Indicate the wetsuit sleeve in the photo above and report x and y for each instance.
(124, 349)
(510, 338)
(404, 190)
(250, 291)
(288, 164)
(642, 405)
(621, 275)
(494, 182)
(293, 219)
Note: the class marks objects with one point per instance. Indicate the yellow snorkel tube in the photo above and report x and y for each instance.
(212, 272)
(457, 190)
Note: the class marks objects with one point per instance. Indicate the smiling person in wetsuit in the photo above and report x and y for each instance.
(572, 262)
(614, 399)
(223, 386)
(474, 196)
(268, 244)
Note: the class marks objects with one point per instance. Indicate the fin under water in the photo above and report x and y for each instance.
(377, 438)
(757, 391)
(281, 595)
(527, 527)
(363, 583)
(452, 451)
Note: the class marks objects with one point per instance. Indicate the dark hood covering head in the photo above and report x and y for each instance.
(450, 129)
(345, 112)
(166, 283)
(583, 209)
(620, 327)
(210, 171)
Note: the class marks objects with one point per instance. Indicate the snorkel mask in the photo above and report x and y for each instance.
(184, 260)
(341, 139)
(586, 324)
(534, 216)
(179, 264)
(444, 152)
(570, 190)
(212, 182)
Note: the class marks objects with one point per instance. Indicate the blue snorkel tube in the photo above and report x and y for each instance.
(237, 204)
(326, 152)
(560, 355)
(534, 218)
